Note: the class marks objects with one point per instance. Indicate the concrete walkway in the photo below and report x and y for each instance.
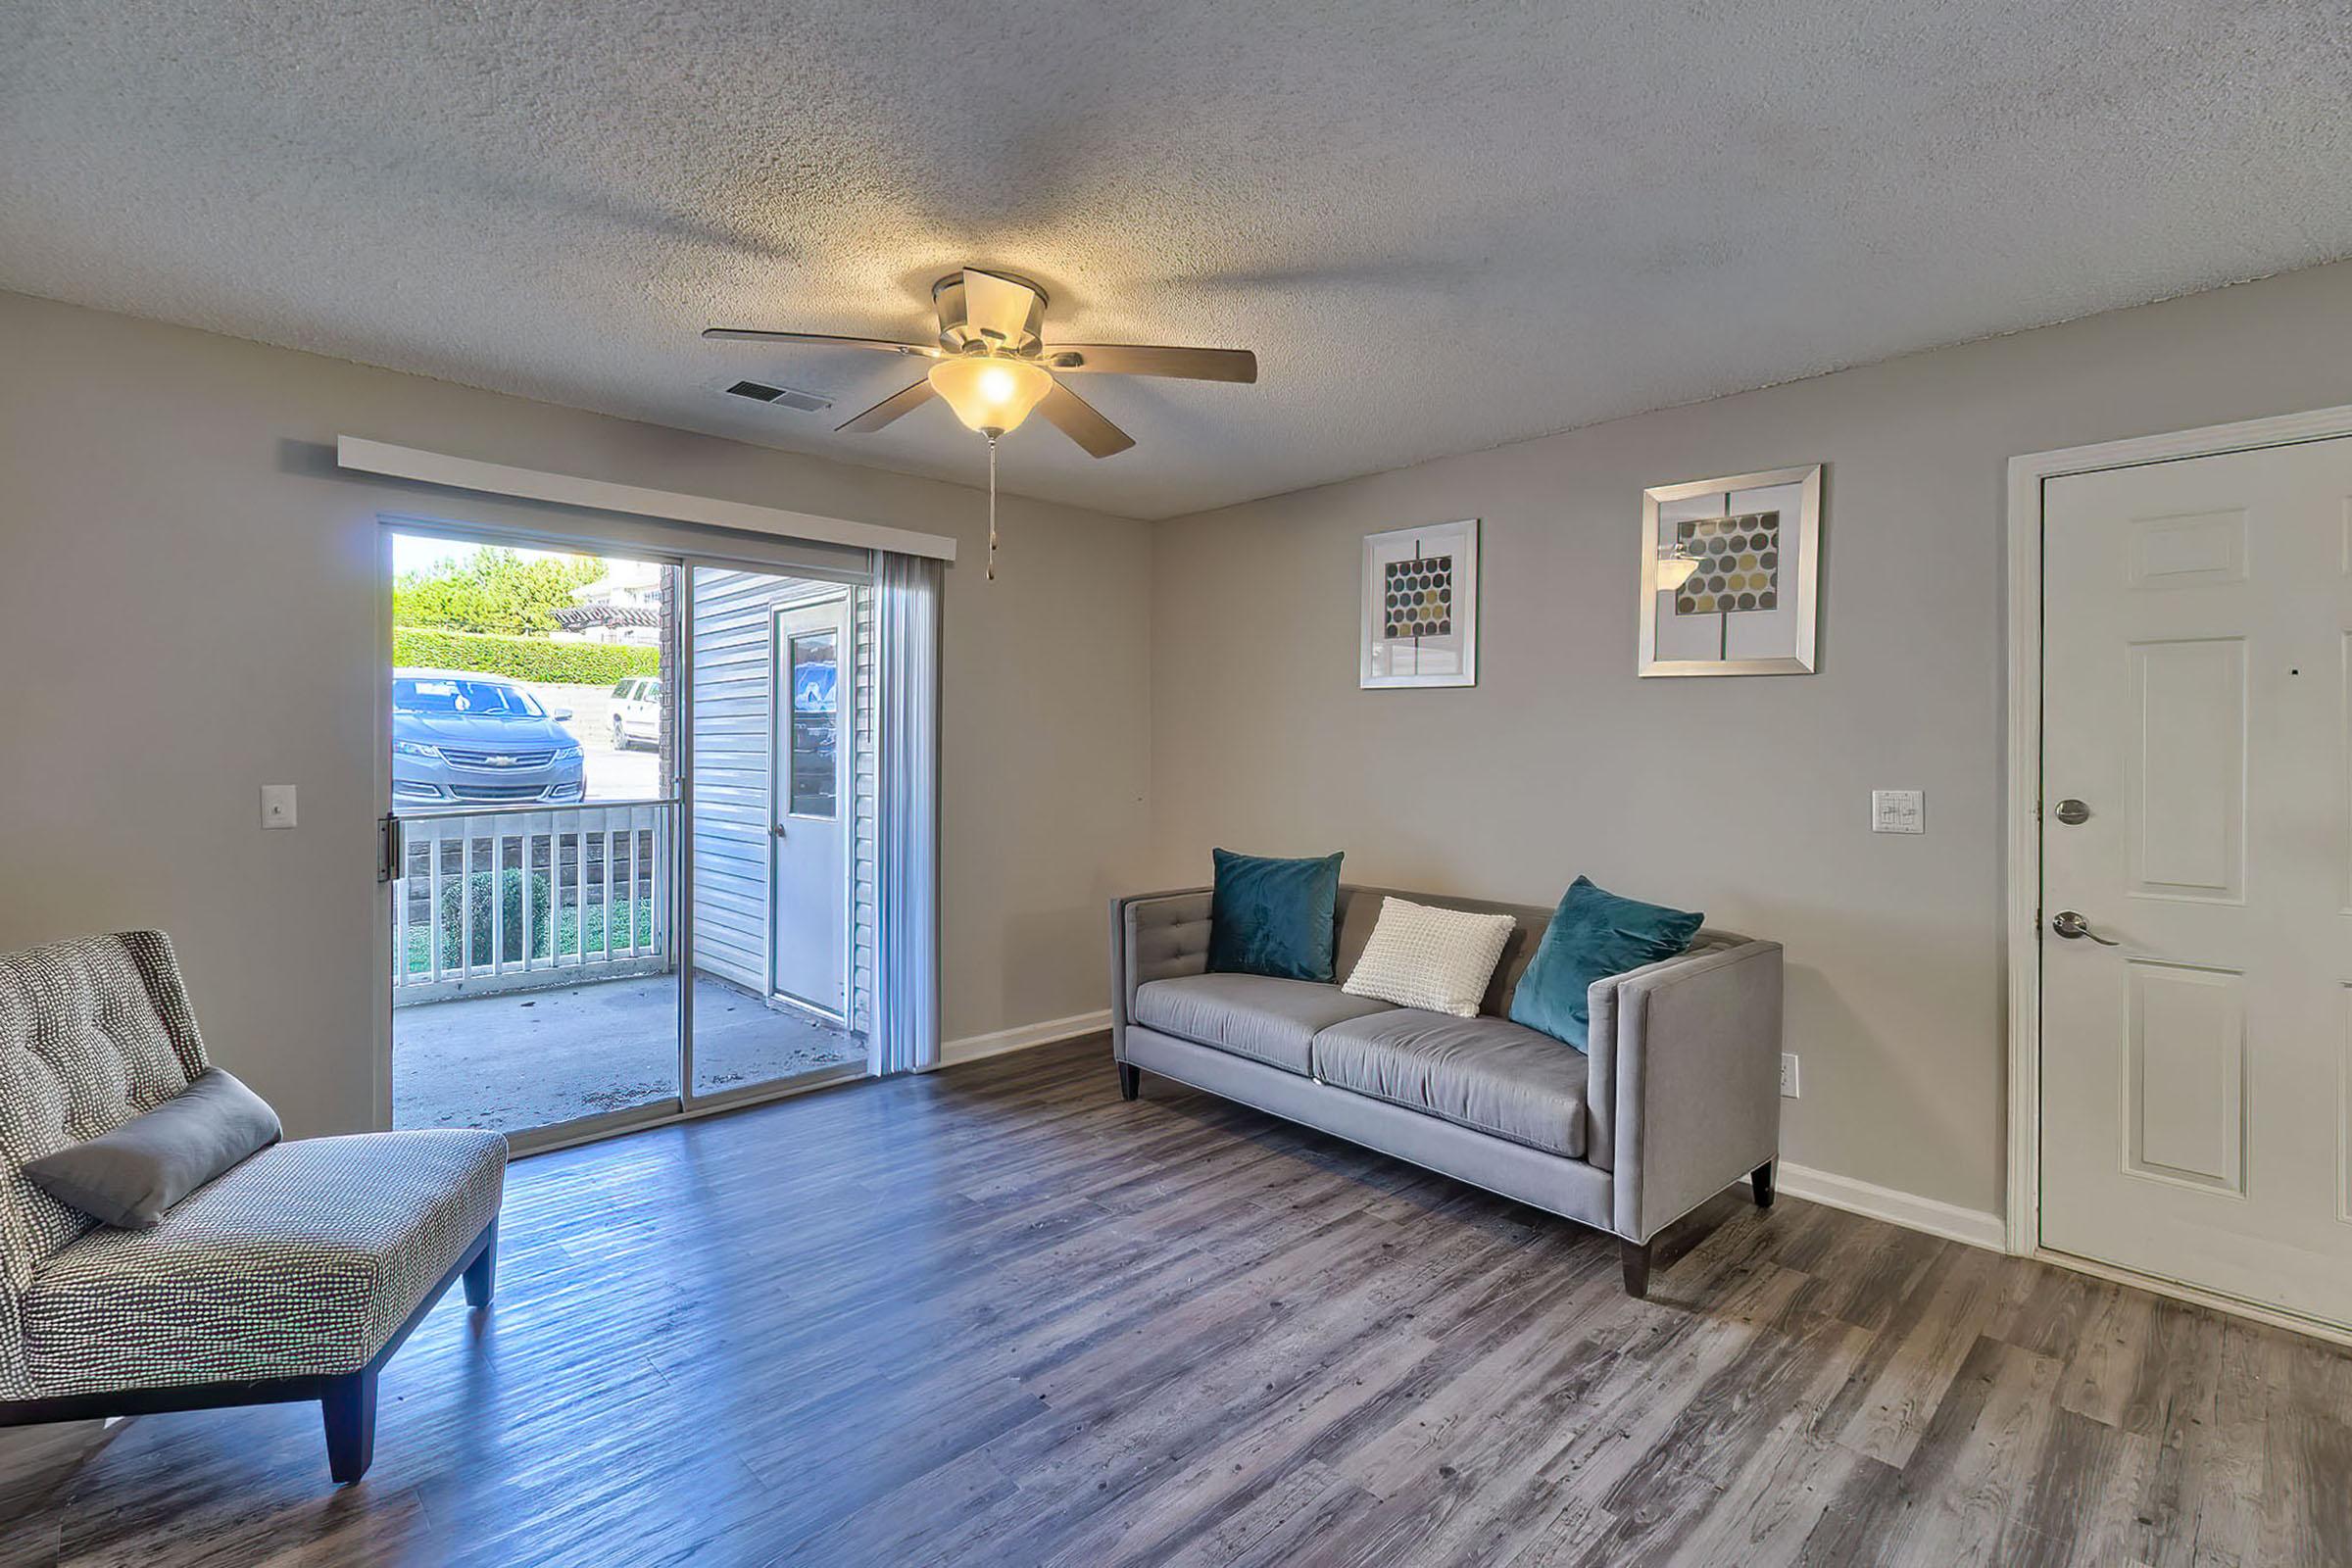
(534, 1059)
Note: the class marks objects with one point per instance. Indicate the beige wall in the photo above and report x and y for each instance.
(188, 607)
(1746, 798)
(162, 496)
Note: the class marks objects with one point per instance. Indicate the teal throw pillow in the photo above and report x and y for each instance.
(1592, 934)
(1274, 917)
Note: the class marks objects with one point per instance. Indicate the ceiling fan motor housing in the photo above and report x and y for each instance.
(995, 311)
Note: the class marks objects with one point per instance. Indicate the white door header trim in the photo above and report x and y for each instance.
(531, 484)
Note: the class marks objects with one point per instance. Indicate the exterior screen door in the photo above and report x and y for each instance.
(811, 834)
(2196, 899)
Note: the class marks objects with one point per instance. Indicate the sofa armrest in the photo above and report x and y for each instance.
(1154, 936)
(1685, 1087)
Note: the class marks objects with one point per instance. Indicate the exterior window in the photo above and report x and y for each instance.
(815, 703)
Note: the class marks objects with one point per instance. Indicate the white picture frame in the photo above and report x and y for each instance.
(1774, 632)
(1419, 606)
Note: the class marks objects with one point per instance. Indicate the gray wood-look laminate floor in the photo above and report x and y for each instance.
(997, 1315)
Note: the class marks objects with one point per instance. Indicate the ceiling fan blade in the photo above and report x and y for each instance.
(890, 407)
(1153, 359)
(1076, 418)
(746, 334)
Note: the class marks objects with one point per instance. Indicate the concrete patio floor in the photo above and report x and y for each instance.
(533, 1059)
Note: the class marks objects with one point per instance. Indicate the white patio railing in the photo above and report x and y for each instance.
(510, 897)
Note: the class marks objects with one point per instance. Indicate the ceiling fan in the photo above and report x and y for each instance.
(993, 366)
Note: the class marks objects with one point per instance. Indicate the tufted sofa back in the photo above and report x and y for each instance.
(93, 1033)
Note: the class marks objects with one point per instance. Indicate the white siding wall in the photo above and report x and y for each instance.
(731, 706)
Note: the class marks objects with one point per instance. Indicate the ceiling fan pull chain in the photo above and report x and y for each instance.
(991, 509)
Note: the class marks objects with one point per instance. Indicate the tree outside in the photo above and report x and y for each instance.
(492, 590)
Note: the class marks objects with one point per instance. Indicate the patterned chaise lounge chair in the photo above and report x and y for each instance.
(294, 1275)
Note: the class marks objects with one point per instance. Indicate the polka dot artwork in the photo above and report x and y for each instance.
(1417, 597)
(1739, 564)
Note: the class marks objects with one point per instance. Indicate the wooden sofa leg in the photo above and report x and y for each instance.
(1761, 1179)
(1131, 1080)
(481, 1275)
(1634, 1255)
(350, 1407)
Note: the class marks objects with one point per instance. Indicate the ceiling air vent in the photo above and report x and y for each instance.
(783, 397)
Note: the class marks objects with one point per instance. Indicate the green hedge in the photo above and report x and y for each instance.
(523, 657)
(477, 891)
(558, 927)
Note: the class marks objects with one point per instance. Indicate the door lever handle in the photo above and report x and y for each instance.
(2071, 926)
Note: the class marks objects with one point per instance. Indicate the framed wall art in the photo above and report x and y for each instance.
(1729, 569)
(1420, 607)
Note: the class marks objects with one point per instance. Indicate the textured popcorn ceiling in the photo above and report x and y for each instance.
(1441, 227)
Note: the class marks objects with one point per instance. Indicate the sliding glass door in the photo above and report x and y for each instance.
(630, 804)
(533, 839)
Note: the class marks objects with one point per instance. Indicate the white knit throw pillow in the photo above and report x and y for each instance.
(1439, 959)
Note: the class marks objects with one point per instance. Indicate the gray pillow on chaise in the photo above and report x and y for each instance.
(127, 1178)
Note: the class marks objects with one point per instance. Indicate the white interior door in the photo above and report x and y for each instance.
(813, 804)
(2197, 637)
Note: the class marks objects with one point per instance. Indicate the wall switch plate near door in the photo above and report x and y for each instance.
(1898, 812)
(277, 805)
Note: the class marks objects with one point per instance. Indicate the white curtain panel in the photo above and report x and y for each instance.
(906, 606)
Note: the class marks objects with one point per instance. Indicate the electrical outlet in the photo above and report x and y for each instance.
(1788, 1075)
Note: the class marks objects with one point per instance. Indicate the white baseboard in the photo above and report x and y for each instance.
(1974, 1226)
(972, 1048)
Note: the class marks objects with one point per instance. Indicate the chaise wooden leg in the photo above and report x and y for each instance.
(350, 1407)
(481, 1275)
(1761, 1179)
(1634, 1255)
(1131, 1080)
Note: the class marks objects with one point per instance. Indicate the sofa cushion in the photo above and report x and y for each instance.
(1252, 1015)
(1360, 917)
(1421, 956)
(128, 1177)
(1485, 1073)
(304, 1261)
(1592, 935)
(1273, 916)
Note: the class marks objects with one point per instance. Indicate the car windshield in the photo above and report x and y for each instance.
(437, 695)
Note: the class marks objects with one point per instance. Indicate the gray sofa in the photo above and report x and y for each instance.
(1677, 1098)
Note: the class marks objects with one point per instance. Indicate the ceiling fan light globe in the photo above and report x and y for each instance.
(1674, 570)
(988, 394)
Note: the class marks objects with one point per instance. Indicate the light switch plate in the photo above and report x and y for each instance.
(277, 805)
(1898, 812)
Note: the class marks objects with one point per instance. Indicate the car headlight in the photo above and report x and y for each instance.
(417, 749)
(567, 754)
